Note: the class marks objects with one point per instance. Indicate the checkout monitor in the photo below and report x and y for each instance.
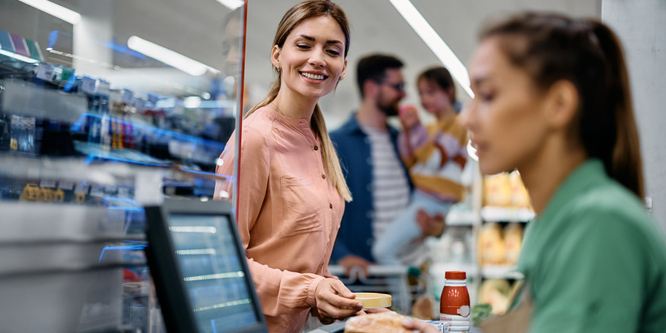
(199, 268)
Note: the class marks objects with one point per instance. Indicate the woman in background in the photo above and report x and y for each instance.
(436, 155)
(291, 192)
(552, 100)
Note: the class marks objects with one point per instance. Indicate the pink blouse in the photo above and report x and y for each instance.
(288, 216)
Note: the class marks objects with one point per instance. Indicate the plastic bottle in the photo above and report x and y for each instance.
(454, 306)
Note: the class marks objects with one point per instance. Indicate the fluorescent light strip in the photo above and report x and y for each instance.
(434, 42)
(18, 56)
(58, 11)
(167, 56)
(232, 4)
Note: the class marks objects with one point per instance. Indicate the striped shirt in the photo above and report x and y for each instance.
(390, 189)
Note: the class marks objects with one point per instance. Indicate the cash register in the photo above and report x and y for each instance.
(198, 265)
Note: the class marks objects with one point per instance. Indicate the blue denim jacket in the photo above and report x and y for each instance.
(353, 148)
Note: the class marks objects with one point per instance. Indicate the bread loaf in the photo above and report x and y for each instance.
(377, 323)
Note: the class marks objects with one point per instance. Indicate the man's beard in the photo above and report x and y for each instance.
(389, 109)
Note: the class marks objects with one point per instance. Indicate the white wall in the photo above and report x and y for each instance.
(641, 25)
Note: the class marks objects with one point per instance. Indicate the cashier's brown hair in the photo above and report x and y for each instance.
(553, 47)
(291, 19)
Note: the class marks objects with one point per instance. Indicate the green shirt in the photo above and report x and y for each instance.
(594, 260)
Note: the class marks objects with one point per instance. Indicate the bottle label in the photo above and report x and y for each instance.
(456, 323)
(464, 311)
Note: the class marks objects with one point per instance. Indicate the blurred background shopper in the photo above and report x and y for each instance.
(368, 150)
(436, 155)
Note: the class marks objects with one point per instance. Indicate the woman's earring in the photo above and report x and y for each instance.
(278, 68)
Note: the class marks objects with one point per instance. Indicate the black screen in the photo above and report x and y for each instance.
(212, 268)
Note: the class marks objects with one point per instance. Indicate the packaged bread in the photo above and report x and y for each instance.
(491, 248)
(513, 235)
(496, 293)
(377, 322)
(497, 190)
(519, 196)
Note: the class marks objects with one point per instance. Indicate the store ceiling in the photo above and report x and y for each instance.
(194, 28)
(378, 27)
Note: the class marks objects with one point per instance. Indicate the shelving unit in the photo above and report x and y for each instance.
(476, 218)
(500, 218)
(91, 131)
(458, 218)
(500, 272)
(503, 214)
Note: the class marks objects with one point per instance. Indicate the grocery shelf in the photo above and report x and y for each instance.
(458, 218)
(377, 270)
(500, 272)
(439, 269)
(504, 214)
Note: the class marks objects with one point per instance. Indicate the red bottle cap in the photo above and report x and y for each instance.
(455, 275)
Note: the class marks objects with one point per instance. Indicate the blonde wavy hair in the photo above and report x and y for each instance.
(290, 20)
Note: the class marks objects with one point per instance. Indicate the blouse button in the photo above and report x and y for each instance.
(316, 148)
(323, 176)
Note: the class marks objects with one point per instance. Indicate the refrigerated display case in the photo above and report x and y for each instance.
(105, 106)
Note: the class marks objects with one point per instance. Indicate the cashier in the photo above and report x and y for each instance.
(552, 100)
(292, 192)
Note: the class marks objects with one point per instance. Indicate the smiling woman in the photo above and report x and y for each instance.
(291, 192)
(311, 63)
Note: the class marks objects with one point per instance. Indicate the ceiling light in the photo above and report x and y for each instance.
(232, 4)
(171, 58)
(58, 11)
(434, 42)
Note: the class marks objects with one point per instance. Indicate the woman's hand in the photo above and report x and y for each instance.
(335, 301)
(430, 225)
(417, 325)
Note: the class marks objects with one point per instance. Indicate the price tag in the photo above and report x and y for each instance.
(103, 87)
(47, 183)
(65, 185)
(166, 103)
(123, 193)
(89, 85)
(97, 191)
(128, 95)
(139, 103)
(81, 188)
(152, 98)
(110, 189)
(45, 71)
